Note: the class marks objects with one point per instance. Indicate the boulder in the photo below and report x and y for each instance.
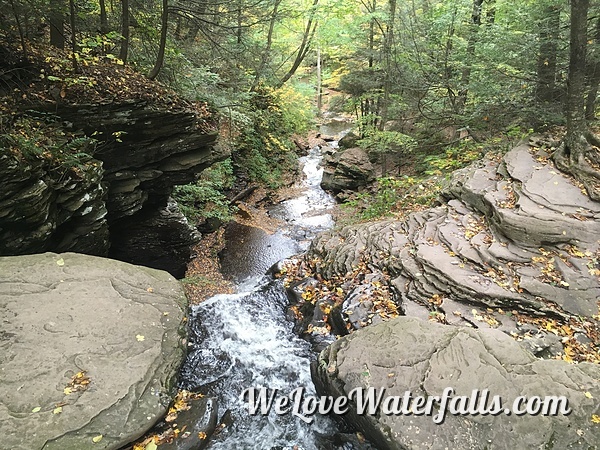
(91, 348)
(349, 140)
(410, 355)
(347, 170)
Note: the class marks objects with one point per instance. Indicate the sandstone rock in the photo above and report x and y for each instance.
(407, 354)
(66, 313)
(199, 423)
(42, 209)
(347, 170)
(349, 140)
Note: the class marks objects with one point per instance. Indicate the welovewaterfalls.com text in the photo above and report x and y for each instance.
(372, 401)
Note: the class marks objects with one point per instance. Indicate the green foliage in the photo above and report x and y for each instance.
(264, 149)
(36, 141)
(391, 196)
(455, 157)
(205, 199)
(387, 142)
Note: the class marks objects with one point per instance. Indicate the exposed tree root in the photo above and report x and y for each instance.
(581, 159)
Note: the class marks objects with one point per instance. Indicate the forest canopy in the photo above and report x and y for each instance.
(422, 69)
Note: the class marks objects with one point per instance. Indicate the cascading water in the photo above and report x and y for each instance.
(246, 340)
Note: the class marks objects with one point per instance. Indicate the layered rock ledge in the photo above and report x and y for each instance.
(123, 195)
(90, 349)
(509, 263)
(514, 236)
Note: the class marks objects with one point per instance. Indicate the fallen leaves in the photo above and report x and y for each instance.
(182, 402)
(79, 382)
(331, 293)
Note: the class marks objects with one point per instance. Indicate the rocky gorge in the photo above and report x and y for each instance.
(496, 288)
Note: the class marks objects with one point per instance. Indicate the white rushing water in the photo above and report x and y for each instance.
(246, 339)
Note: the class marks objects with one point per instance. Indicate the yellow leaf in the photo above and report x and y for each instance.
(595, 418)
(57, 410)
(202, 435)
(68, 391)
(36, 409)
(97, 439)
(588, 395)
(60, 262)
(151, 445)
(140, 338)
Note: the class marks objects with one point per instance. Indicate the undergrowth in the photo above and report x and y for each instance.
(42, 141)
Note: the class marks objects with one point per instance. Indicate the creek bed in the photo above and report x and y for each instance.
(246, 339)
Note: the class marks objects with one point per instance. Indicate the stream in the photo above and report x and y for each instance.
(245, 340)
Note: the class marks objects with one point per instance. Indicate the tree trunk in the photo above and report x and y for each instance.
(372, 34)
(319, 83)
(576, 125)
(594, 68)
(387, 55)
(103, 18)
(73, 35)
(576, 156)
(57, 24)
(239, 23)
(20, 28)
(124, 30)
(471, 43)
(163, 41)
(546, 65)
(265, 55)
(309, 32)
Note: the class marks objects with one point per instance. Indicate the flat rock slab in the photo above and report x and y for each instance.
(407, 354)
(66, 313)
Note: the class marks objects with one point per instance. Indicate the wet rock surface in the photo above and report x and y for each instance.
(63, 314)
(408, 354)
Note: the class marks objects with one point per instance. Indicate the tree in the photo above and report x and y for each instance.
(472, 41)
(57, 23)
(267, 50)
(578, 153)
(103, 18)
(73, 35)
(163, 41)
(549, 36)
(124, 30)
(309, 32)
(593, 64)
